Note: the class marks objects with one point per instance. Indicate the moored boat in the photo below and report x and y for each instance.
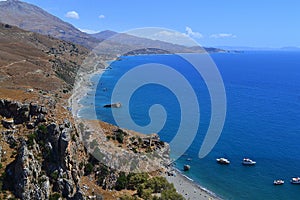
(278, 182)
(248, 161)
(295, 180)
(223, 161)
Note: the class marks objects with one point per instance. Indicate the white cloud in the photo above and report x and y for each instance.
(101, 16)
(191, 33)
(88, 31)
(72, 15)
(222, 35)
(164, 35)
(173, 37)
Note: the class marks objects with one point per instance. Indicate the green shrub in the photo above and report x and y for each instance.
(31, 138)
(54, 196)
(54, 175)
(42, 128)
(171, 195)
(158, 184)
(147, 193)
(121, 182)
(126, 197)
(88, 168)
(136, 179)
(81, 164)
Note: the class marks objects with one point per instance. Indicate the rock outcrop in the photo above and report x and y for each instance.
(17, 113)
(46, 160)
(27, 176)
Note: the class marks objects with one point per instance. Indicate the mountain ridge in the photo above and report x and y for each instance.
(32, 18)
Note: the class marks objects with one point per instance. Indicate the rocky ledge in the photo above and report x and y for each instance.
(42, 153)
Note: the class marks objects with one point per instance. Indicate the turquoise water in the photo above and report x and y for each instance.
(263, 120)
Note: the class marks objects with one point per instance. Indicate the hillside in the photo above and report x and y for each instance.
(32, 18)
(29, 59)
(139, 43)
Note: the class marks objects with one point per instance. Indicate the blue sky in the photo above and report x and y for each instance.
(253, 23)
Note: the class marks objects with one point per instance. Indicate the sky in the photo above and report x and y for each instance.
(252, 23)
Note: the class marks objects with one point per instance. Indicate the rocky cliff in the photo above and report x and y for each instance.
(46, 159)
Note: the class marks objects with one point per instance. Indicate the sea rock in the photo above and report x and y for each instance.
(186, 167)
(114, 105)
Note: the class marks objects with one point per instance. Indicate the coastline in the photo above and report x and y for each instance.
(188, 188)
(83, 87)
(183, 184)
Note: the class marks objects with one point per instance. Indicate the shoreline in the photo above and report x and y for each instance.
(190, 189)
(83, 87)
(184, 185)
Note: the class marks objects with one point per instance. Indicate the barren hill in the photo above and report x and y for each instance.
(32, 18)
(29, 59)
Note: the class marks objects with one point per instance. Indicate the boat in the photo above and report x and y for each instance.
(223, 161)
(248, 161)
(186, 167)
(189, 159)
(278, 182)
(295, 180)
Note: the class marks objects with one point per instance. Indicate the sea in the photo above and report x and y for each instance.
(262, 118)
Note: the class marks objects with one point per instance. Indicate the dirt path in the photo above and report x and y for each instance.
(13, 63)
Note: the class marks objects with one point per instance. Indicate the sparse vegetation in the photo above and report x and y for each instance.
(42, 128)
(121, 182)
(88, 168)
(119, 135)
(31, 138)
(146, 188)
(127, 197)
(81, 164)
(54, 196)
(54, 175)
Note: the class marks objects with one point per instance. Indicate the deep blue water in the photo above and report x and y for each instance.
(262, 122)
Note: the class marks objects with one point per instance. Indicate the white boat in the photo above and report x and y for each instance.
(223, 161)
(295, 180)
(278, 182)
(248, 161)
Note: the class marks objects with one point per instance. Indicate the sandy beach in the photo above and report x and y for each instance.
(189, 189)
(83, 85)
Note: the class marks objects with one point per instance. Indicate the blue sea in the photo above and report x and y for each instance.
(262, 121)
